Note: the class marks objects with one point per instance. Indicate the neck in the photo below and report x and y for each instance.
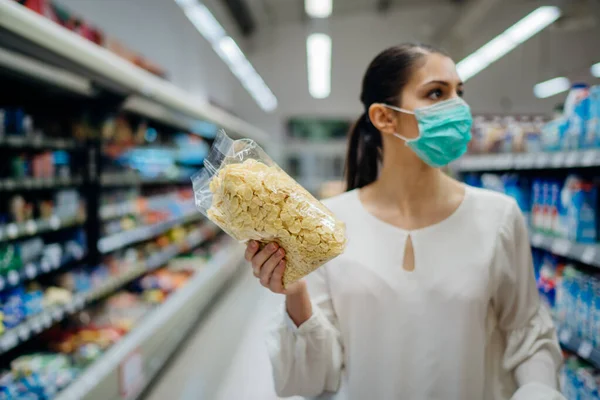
(410, 186)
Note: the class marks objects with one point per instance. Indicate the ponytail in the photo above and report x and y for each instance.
(364, 154)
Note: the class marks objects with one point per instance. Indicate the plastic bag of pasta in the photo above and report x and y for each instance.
(248, 196)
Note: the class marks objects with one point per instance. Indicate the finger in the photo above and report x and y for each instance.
(251, 250)
(259, 259)
(267, 269)
(276, 283)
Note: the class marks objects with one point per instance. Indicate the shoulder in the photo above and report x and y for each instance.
(343, 204)
(488, 202)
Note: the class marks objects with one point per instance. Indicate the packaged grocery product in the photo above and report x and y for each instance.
(594, 120)
(576, 112)
(13, 308)
(248, 196)
(579, 199)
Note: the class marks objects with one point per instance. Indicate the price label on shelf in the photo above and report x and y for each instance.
(565, 336)
(57, 314)
(558, 159)
(9, 184)
(31, 227)
(28, 183)
(46, 319)
(54, 222)
(12, 230)
(30, 270)
(585, 349)
(9, 340)
(45, 265)
(131, 375)
(589, 255)
(589, 158)
(36, 325)
(572, 158)
(23, 332)
(561, 247)
(70, 307)
(13, 277)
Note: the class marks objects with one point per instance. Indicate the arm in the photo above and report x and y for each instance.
(532, 351)
(304, 343)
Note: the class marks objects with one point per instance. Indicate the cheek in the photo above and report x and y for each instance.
(407, 126)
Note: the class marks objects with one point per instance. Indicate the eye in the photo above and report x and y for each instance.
(435, 94)
(460, 92)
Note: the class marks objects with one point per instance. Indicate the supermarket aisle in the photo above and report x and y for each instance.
(226, 357)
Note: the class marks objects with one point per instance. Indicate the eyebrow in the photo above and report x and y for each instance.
(442, 83)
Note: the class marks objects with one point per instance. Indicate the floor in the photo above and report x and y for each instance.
(225, 358)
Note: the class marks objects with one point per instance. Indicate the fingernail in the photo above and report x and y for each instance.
(252, 244)
(272, 247)
(281, 252)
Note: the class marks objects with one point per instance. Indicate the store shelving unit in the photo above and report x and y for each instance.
(529, 161)
(582, 347)
(35, 269)
(41, 55)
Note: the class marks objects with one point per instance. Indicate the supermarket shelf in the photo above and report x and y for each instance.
(96, 61)
(153, 341)
(34, 269)
(44, 73)
(583, 348)
(137, 206)
(126, 179)
(126, 238)
(37, 323)
(36, 142)
(36, 226)
(585, 253)
(38, 183)
(528, 161)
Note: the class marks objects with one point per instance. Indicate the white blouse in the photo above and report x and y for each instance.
(465, 324)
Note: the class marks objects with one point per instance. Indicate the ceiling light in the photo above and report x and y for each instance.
(502, 44)
(551, 87)
(228, 50)
(595, 70)
(318, 8)
(318, 52)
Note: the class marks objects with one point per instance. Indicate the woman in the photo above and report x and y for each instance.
(435, 296)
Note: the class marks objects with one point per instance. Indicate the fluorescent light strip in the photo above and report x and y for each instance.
(595, 70)
(551, 87)
(230, 53)
(318, 8)
(318, 52)
(502, 44)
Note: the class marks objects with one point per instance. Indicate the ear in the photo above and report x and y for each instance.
(382, 118)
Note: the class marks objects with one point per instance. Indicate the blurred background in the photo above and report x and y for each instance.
(113, 286)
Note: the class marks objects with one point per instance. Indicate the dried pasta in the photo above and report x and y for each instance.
(251, 198)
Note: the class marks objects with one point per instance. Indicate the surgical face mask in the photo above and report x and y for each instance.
(444, 131)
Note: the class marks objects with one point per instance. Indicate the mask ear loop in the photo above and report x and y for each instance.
(402, 110)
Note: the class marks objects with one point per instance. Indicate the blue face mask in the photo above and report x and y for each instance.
(444, 131)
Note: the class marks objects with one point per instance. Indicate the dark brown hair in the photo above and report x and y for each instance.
(383, 82)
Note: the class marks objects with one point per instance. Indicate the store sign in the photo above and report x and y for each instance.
(131, 375)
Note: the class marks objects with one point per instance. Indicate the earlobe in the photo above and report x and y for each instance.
(382, 118)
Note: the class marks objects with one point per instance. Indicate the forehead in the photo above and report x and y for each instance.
(436, 67)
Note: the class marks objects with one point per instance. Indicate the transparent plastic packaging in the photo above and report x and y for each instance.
(248, 196)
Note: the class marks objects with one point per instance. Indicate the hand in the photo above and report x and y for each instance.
(268, 265)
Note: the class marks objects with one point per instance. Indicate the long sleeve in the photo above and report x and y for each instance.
(307, 360)
(532, 351)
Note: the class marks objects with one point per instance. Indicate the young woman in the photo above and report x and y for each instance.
(435, 296)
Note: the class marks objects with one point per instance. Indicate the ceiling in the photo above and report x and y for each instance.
(276, 12)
